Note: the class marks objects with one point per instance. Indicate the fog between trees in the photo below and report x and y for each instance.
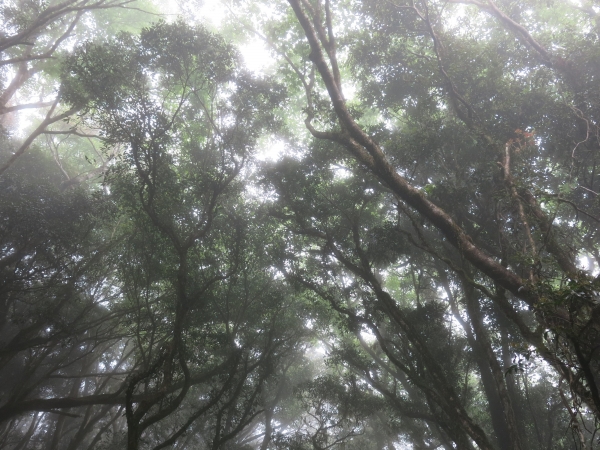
(417, 269)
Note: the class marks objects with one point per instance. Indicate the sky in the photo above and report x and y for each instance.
(255, 53)
(257, 57)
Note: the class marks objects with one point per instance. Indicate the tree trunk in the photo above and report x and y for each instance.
(484, 343)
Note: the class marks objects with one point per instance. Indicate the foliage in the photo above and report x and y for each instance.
(419, 270)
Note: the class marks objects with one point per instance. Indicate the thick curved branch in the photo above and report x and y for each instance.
(371, 156)
(117, 398)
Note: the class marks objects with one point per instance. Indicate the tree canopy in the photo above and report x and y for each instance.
(417, 268)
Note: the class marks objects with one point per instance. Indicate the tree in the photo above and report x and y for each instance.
(33, 38)
(435, 131)
(420, 271)
(197, 322)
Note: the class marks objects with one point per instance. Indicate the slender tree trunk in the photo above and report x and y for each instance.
(483, 341)
(268, 429)
(487, 379)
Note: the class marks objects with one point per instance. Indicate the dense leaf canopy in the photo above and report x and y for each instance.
(417, 267)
